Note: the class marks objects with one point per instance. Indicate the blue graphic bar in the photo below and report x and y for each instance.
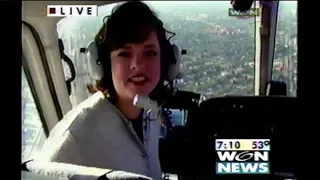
(242, 168)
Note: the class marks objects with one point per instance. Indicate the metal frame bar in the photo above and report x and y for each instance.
(35, 96)
(36, 69)
(266, 33)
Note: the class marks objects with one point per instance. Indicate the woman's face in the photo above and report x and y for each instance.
(136, 68)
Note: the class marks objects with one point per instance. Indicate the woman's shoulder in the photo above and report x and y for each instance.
(79, 126)
(86, 113)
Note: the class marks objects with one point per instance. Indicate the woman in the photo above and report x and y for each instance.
(109, 131)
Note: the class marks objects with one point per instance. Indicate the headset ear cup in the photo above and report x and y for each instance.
(95, 68)
(174, 64)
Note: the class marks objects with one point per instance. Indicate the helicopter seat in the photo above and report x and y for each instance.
(277, 88)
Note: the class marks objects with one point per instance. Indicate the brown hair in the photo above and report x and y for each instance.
(130, 22)
(95, 87)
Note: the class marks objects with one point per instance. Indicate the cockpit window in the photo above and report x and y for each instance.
(33, 135)
(285, 57)
(220, 59)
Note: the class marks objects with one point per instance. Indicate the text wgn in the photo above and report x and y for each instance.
(245, 162)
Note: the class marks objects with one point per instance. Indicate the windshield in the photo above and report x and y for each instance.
(220, 59)
(220, 48)
(285, 58)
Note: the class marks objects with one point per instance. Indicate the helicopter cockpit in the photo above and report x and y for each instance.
(235, 78)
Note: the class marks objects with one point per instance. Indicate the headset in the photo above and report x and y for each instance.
(173, 70)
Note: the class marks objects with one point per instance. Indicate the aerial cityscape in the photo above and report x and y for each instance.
(220, 59)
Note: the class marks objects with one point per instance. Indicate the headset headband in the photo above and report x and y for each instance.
(96, 71)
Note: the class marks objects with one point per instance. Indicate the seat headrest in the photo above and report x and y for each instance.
(277, 88)
(76, 172)
(96, 71)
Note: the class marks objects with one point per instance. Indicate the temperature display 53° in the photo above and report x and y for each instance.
(242, 144)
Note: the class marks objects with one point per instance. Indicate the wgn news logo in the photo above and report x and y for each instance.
(242, 156)
(251, 12)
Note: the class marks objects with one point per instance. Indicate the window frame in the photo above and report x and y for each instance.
(265, 43)
(36, 68)
(35, 96)
(43, 131)
(274, 47)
